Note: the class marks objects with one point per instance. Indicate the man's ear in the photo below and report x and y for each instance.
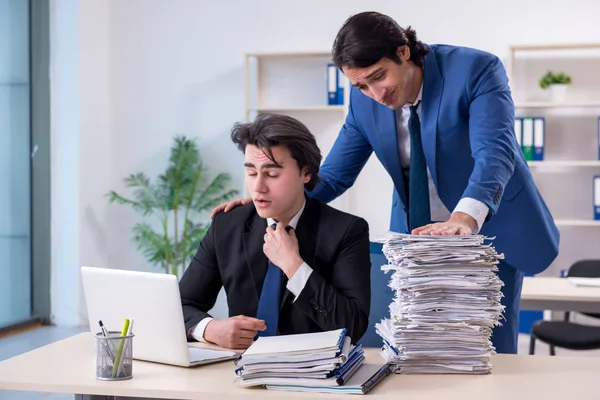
(403, 53)
(306, 176)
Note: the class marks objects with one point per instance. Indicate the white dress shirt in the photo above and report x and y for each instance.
(475, 208)
(295, 284)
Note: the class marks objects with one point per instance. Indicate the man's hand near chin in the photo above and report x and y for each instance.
(233, 333)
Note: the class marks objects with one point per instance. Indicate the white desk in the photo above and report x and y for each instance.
(558, 294)
(68, 367)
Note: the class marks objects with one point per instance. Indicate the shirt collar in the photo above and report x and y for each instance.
(294, 221)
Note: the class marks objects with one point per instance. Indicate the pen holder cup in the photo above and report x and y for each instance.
(114, 357)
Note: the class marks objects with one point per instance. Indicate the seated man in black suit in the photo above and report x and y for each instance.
(289, 264)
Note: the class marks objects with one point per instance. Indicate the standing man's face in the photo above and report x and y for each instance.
(387, 82)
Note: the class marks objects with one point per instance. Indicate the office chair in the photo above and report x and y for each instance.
(566, 334)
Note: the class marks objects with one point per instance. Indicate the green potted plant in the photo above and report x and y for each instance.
(557, 83)
(175, 199)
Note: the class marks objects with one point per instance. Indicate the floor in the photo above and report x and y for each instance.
(15, 345)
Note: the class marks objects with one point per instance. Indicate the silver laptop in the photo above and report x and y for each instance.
(153, 302)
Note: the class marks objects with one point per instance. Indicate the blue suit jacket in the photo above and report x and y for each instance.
(467, 125)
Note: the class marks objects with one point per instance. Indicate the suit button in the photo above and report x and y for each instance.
(312, 302)
(325, 313)
(316, 307)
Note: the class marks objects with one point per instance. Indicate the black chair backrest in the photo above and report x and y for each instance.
(585, 269)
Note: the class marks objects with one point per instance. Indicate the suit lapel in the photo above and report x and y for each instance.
(430, 108)
(256, 260)
(387, 135)
(306, 233)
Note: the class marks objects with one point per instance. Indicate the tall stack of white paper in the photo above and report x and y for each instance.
(447, 300)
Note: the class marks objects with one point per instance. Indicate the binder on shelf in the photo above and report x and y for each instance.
(341, 78)
(332, 84)
(527, 144)
(597, 197)
(539, 125)
(519, 130)
(598, 138)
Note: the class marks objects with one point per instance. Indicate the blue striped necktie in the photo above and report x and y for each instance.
(418, 184)
(270, 299)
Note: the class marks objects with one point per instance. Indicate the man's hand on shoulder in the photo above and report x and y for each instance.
(226, 207)
(281, 247)
(459, 224)
(233, 333)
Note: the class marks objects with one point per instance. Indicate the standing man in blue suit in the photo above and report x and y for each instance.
(440, 119)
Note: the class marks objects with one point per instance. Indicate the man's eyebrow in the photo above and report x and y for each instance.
(264, 166)
(378, 70)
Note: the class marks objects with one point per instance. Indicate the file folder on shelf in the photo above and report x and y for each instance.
(596, 196)
(519, 130)
(539, 134)
(332, 84)
(527, 144)
(341, 78)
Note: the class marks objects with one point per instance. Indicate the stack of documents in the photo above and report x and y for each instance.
(305, 362)
(447, 300)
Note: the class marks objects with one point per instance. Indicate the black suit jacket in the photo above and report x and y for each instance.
(333, 243)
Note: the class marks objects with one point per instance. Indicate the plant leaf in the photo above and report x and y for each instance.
(152, 245)
(213, 194)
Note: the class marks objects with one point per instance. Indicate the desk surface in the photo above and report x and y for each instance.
(67, 366)
(553, 293)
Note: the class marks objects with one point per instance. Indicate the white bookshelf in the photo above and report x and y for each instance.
(565, 164)
(276, 109)
(547, 104)
(577, 222)
(295, 84)
(571, 145)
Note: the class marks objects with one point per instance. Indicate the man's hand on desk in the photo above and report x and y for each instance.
(233, 333)
(459, 224)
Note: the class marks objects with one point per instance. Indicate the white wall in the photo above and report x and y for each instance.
(81, 156)
(149, 69)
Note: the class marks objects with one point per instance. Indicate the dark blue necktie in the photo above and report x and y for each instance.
(418, 186)
(270, 299)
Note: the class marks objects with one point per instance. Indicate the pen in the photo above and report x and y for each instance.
(108, 347)
(120, 348)
(129, 333)
(384, 371)
(104, 331)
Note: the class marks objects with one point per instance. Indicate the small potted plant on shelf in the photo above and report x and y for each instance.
(558, 83)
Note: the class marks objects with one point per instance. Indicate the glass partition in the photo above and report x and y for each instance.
(15, 162)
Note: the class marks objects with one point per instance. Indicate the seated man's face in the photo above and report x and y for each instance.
(276, 188)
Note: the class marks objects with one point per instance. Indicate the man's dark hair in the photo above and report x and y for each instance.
(269, 130)
(367, 37)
